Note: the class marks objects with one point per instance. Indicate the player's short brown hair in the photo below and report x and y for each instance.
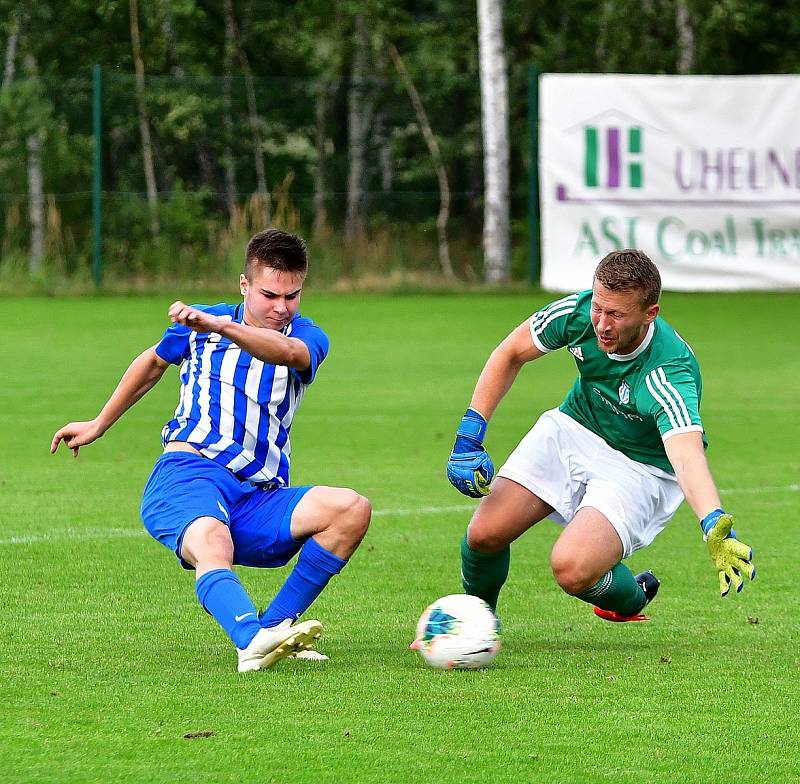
(276, 249)
(630, 270)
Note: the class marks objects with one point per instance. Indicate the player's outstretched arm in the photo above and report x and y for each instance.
(141, 376)
(470, 469)
(732, 558)
(268, 345)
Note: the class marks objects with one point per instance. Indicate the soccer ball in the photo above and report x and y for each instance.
(458, 632)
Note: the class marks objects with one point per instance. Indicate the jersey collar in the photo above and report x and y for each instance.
(639, 349)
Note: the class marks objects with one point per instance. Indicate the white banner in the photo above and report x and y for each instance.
(702, 173)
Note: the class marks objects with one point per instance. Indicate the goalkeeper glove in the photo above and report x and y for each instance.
(470, 469)
(731, 558)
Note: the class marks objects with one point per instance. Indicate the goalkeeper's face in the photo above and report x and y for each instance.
(271, 298)
(619, 318)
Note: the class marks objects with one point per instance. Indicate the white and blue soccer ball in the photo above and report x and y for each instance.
(458, 632)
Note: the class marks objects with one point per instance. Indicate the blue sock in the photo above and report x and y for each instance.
(222, 596)
(314, 568)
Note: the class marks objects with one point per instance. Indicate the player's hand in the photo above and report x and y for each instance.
(470, 469)
(198, 320)
(732, 558)
(76, 434)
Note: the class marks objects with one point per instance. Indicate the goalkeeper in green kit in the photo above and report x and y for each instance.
(611, 464)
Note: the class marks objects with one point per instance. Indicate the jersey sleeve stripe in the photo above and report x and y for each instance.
(657, 395)
(538, 343)
(540, 327)
(663, 376)
(542, 314)
(672, 403)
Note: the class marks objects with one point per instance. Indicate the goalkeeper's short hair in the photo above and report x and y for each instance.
(630, 270)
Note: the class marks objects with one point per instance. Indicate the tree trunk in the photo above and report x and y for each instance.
(436, 156)
(35, 203)
(35, 186)
(231, 189)
(384, 146)
(11, 53)
(686, 47)
(358, 122)
(326, 89)
(253, 117)
(494, 116)
(144, 125)
(171, 39)
(255, 132)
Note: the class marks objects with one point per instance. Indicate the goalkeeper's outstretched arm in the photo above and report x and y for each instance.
(470, 469)
(732, 558)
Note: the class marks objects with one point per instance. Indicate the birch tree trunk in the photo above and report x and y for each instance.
(35, 203)
(494, 117)
(35, 186)
(436, 156)
(11, 53)
(358, 122)
(144, 125)
(686, 47)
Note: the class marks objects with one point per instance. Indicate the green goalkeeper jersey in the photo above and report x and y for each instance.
(632, 401)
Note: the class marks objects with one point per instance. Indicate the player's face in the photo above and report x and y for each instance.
(619, 319)
(271, 298)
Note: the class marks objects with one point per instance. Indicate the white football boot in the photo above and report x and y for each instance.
(271, 645)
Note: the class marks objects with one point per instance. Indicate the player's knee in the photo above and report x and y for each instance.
(360, 514)
(568, 573)
(352, 514)
(485, 539)
(207, 540)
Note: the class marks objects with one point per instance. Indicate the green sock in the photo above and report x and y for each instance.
(616, 590)
(483, 574)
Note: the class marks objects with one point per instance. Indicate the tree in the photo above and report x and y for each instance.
(359, 118)
(494, 115)
(433, 148)
(144, 124)
(686, 48)
(232, 31)
(35, 184)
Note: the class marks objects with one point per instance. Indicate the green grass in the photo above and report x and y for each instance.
(107, 662)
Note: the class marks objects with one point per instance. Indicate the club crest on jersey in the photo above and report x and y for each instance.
(624, 392)
(576, 351)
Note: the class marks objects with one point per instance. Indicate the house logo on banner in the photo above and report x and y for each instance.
(702, 173)
(617, 167)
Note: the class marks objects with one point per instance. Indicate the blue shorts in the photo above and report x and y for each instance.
(184, 487)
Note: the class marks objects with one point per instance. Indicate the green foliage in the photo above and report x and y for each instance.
(301, 54)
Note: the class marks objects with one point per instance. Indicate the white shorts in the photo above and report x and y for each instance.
(569, 467)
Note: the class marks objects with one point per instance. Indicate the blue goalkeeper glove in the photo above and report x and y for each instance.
(470, 469)
(731, 557)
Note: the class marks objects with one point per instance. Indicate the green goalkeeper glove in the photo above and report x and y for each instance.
(731, 558)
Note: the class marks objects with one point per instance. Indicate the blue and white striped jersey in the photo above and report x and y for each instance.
(234, 408)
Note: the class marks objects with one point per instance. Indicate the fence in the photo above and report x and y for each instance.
(229, 155)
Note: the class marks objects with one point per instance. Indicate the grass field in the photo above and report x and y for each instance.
(108, 666)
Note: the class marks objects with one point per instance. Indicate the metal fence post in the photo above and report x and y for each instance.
(534, 260)
(97, 175)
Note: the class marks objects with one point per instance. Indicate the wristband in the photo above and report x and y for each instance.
(473, 426)
(710, 520)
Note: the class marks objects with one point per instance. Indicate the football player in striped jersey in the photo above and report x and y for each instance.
(220, 494)
(612, 463)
